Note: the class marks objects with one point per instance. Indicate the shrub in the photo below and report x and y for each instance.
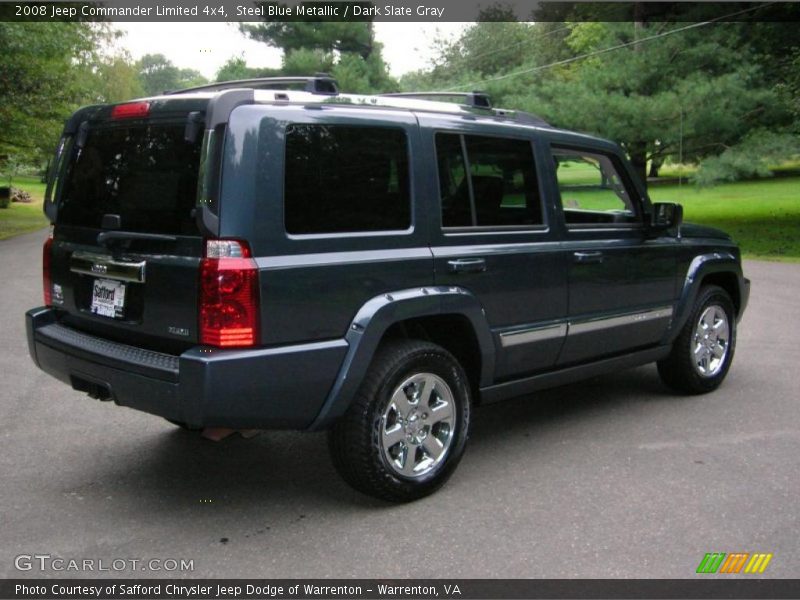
(18, 195)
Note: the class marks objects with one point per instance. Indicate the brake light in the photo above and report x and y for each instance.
(131, 110)
(47, 280)
(229, 302)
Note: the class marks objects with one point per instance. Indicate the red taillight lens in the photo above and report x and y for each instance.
(131, 110)
(228, 295)
(47, 280)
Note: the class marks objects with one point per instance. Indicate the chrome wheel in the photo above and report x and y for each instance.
(418, 424)
(710, 341)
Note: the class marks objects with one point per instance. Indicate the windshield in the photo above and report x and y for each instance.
(145, 173)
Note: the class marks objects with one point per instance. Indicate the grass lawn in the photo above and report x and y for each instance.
(763, 216)
(22, 218)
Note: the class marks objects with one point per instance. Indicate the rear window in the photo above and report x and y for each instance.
(346, 179)
(145, 173)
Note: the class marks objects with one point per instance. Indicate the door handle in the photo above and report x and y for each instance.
(467, 265)
(588, 257)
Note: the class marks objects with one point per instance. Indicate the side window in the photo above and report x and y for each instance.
(592, 190)
(346, 179)
(487, 182)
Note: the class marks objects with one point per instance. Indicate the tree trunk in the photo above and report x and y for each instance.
(638, 153)
(655, 165)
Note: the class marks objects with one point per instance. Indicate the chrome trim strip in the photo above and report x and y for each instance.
(98, 265)
(533, 334)
(590, 325)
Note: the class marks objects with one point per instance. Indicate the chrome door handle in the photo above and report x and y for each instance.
(467, 265)
(588, 257)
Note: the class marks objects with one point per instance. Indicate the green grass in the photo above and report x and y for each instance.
(22, 218)
(763, 216)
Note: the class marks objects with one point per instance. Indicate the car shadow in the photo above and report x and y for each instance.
(291, 472)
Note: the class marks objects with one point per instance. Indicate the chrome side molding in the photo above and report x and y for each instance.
(533, 334)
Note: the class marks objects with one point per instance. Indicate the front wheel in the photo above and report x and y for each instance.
(407, 427)
(702, 353)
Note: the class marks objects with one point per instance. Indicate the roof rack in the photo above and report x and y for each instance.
(474, 99)
(319, 83)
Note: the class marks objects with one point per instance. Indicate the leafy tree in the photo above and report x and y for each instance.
(46, 70)
(236, 68)
(357, 38)
(697, 92)
(190, 78)
(346, 50)
(117, 80)
(158, 74)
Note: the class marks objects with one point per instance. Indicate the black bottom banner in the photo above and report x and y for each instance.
(390, 589)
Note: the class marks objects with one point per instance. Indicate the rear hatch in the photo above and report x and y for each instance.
(126, 245)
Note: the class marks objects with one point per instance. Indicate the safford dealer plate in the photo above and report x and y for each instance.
(108, 298)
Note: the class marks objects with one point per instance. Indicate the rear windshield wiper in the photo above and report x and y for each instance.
(107, 238)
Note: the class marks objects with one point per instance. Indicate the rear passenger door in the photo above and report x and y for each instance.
(621, 282)
(491, 236)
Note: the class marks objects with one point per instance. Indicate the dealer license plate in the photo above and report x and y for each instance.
(108, 298)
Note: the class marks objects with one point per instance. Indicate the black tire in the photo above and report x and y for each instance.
(355, 440)
(679, 370)
(183, 425)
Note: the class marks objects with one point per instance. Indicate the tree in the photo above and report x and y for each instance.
(46, 70)
(117, 80)
(346, 50)
(236, 68)
(357, 38)
(697, 92)
(158, 75)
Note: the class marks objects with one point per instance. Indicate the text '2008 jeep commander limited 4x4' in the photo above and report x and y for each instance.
(251, 255)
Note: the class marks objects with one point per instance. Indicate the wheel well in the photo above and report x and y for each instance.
(728, 282)
(453, 332)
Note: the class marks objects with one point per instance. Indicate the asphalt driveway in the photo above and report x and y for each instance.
(615, 477)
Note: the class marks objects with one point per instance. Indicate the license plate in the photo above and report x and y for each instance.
(108, 298)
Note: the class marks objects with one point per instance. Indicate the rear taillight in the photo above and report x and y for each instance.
(47, 280)
(132, 110)
(228, 295)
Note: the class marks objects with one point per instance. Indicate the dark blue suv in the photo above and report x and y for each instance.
(254, 255)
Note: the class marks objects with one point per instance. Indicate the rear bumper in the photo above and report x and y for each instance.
(269, 388)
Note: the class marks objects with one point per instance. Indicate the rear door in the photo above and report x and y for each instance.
(126, 245)
(492, 237)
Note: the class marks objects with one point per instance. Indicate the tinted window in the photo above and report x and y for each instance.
(147, 174)
(592, 190)
(501, 189)
(346, 179)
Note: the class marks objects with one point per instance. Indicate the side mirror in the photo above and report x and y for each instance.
(666, 215)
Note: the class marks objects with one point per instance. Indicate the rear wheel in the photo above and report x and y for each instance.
(702, 353)
(407, 427)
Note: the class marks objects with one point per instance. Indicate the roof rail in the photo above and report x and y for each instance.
(474, 99)
(521, 116)
(319, 83)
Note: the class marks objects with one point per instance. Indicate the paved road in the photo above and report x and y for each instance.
(616, 477)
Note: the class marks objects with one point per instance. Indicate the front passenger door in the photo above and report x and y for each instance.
(621, 283)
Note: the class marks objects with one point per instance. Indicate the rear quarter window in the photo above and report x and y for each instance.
(341, 179)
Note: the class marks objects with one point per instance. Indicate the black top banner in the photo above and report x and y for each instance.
(446, 589)
(393, 10)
